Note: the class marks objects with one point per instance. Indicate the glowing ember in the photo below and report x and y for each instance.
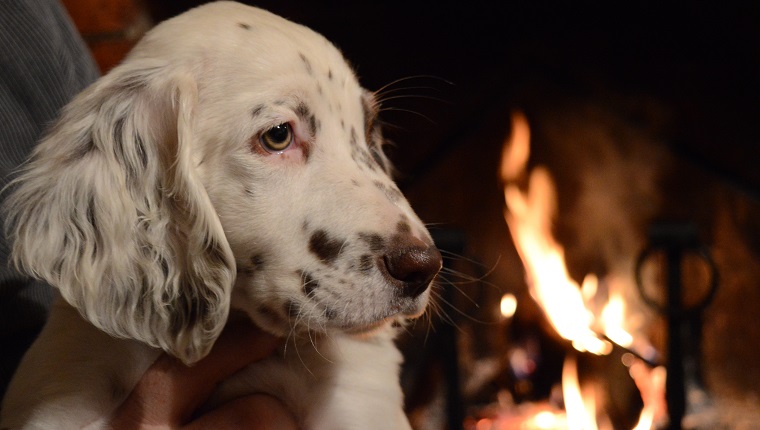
(508, 305)
(546, 420)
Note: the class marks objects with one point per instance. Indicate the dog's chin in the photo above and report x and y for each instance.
(281, 325)
(368, 330)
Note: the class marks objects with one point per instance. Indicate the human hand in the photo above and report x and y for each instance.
(169, 393)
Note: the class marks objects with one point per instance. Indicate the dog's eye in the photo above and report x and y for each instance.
(277, 138)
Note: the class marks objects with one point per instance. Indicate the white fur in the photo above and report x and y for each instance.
(154, 209)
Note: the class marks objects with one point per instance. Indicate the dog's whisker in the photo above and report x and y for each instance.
(414, 96)
(311, 300)
(433, 225)
(343, 245)
(396, 109)
(408, 78)
(305, 366)
(379, 97)
(387, 125)
(448, 275)
(481, 278)
(291, 332)
(464, 277)
(455, 256)
(299, 317)
(405, 325)
(460, 290)
(430, 327)
(443, 315)
(322, 326)
(459, 311)
(327, 333)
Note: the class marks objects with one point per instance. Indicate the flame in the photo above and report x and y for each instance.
(651, 384)
(529, 215)
(581, 414)
(612, 318)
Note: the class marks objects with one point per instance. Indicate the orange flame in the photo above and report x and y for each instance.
(529, 215)
(581, 413)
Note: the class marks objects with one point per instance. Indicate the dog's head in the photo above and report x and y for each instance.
(232, 157)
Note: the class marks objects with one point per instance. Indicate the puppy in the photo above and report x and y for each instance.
(232, 161)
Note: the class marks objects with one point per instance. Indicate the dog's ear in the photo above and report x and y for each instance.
(110, 210)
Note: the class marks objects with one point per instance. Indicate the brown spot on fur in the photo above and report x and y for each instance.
(309, 283)
(292, 309)
(353, 139)
(257, 261)
(306, 63)
(366, 263)
(390, 191)
(324, 247)
(375, 241)
(330, 313)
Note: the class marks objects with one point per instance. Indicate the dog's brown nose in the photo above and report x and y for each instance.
(412, 266)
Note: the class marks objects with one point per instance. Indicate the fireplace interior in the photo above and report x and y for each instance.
(645, 119)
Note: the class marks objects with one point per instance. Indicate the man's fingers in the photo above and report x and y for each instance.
(256, 411)
(169, 392)
(239, 345)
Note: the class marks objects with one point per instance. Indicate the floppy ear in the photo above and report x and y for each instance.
(110, 211)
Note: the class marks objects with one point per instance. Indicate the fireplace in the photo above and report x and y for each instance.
(622, 213)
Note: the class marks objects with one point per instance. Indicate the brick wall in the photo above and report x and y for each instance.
(110, 27)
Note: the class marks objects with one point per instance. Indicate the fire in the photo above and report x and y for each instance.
(581, 414)
(529, 215)
(612, 318)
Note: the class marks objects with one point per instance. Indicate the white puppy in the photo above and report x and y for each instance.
(233, 161)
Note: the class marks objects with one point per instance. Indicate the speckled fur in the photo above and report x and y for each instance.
(154, 209)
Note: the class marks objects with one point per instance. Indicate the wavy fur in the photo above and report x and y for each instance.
(109, 210)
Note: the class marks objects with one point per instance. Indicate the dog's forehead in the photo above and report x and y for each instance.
(243, 51)
(229, 32)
